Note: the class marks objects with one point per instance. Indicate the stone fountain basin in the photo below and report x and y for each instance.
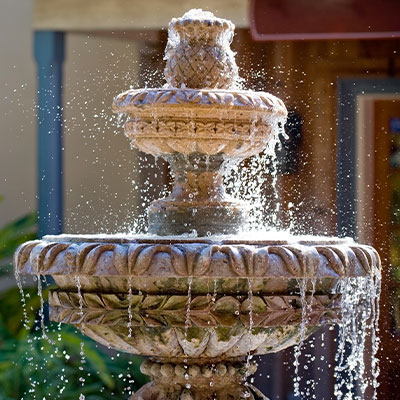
(205, 121)
(134, 291)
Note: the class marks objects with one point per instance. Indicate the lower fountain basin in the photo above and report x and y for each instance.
(196, 298)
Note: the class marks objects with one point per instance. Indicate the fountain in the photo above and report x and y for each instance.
(195, 296)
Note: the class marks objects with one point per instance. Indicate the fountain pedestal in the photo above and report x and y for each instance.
(198, 306)
(223, 381)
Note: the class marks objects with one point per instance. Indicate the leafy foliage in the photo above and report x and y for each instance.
(14, 234)
(60, 363)
(34, 365)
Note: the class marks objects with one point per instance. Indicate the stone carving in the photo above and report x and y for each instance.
(196, 305)
(183, 377)
(204, 311)
(196, 259)
(234, 99)
(198, 53)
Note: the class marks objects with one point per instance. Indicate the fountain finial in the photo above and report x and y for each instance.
(198, 53)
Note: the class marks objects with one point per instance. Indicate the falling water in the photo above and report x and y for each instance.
(82, 327)
(360, 314)
(250, 333)
(187, 324)
(130, 299)
(23, 300)
(249, 182)
(303, 324)
(41, 310)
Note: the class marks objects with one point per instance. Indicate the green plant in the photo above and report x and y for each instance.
(12, 235)
(60, 364)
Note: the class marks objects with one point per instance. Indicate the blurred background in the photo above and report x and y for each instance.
(335, 64)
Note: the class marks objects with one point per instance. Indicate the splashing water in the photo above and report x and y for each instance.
(360, 315)
(82, 327)
(297, 352)
(130, 299)
(187, 324)
(23, 300)
(250, 332)
(41, 310)
(248, 181)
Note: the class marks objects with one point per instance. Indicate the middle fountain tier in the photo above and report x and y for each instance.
(198, 306)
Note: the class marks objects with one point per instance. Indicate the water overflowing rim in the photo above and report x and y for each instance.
(205, 97)
(304, 240)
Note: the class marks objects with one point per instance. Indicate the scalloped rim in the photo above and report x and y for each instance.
(198, 259)
(138, 99)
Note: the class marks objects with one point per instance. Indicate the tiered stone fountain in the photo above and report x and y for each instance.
(197, 306)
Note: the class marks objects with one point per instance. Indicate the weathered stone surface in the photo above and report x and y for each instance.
(227, 380)
(111, 256)
(199, 116)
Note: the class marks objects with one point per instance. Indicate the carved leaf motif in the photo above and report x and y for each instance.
(195, 97)
(163, 97)
(135, 266)
(244, 100)
(92, 300)
(175, 303)
(260, 262)
(71, 254)
(360, 255)
(153, 311)
(89, 265)
(236, 260)
(95, 317)
(114, 317)
(205, 128)
(289, 259)
(153, 320)
(204, 320)
(180, 96)
(334, 259)
(242, 129)
(200, 264)
(183, 127)
(166, 127)
(224, 128)
(200, 303)
(175, 319)
(153, 302)
(213, 98)
(23, 253)
(38, 254)
(114, 301)
(139, 97)
(121, 259)
(226, 310)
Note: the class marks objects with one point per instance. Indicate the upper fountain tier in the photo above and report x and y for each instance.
(199, 121)
(200, 109)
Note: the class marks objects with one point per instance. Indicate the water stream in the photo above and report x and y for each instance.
(357, 333)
